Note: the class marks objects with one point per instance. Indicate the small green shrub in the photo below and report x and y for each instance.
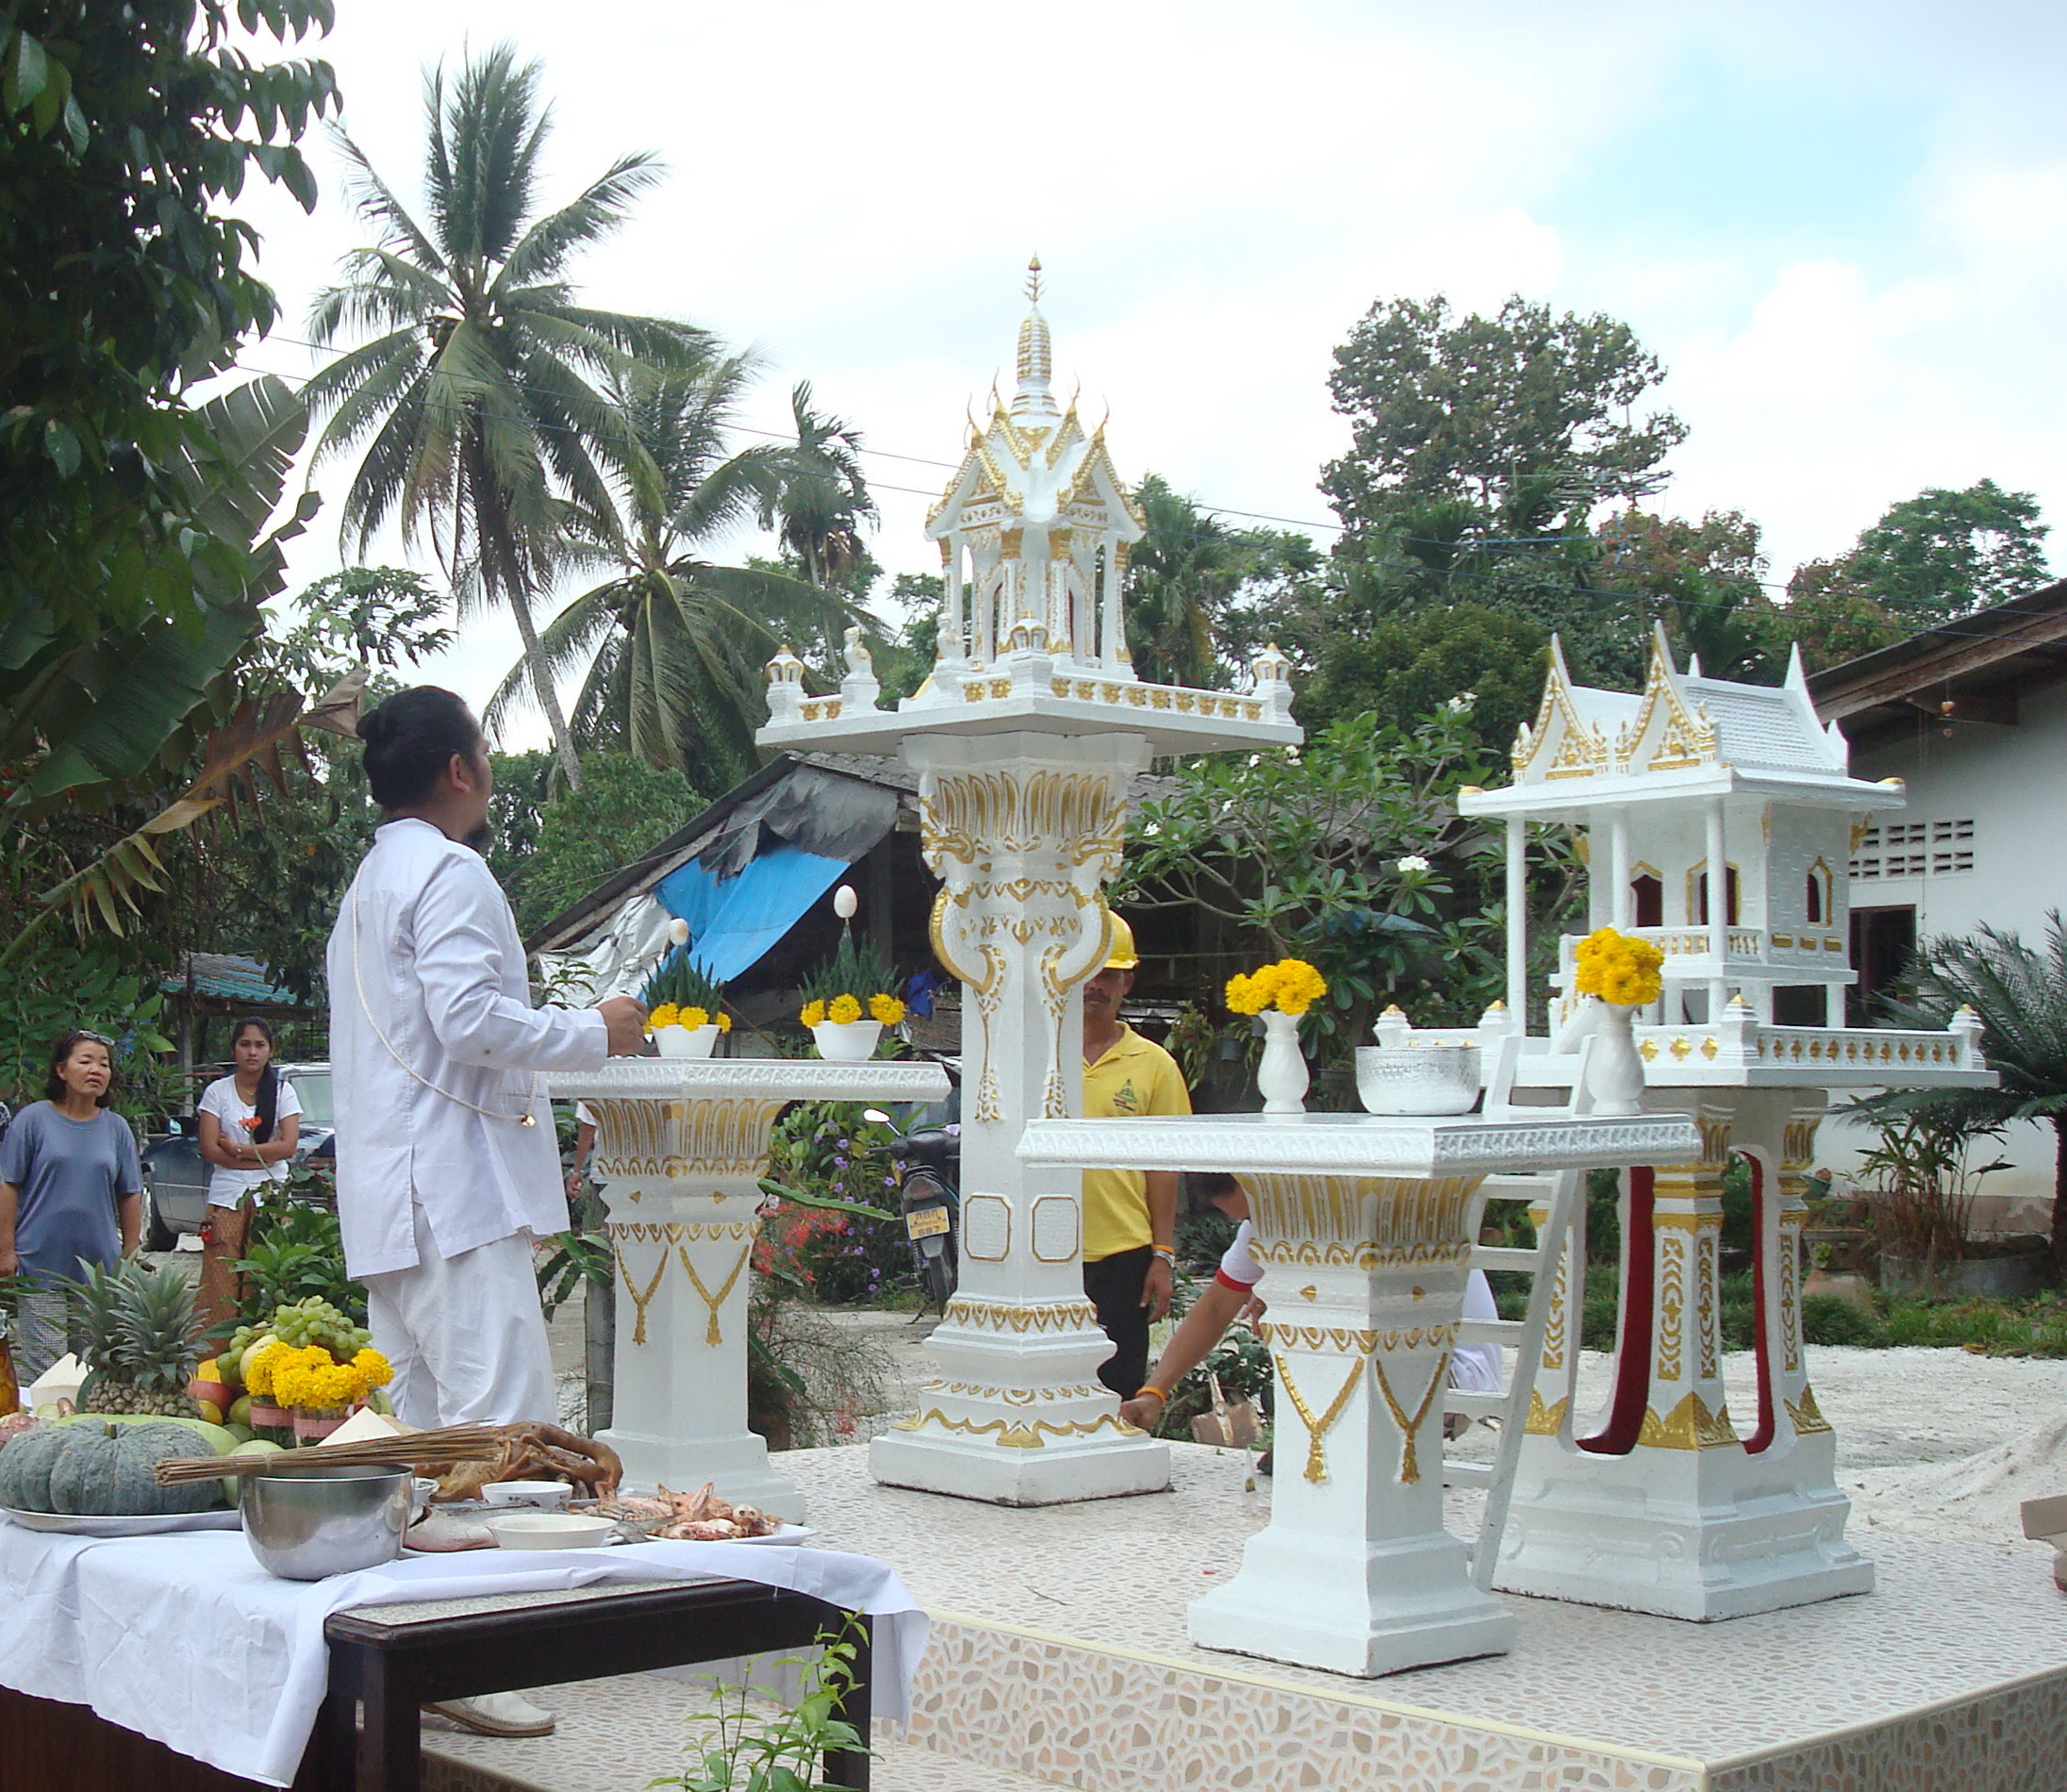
(1827, 1320)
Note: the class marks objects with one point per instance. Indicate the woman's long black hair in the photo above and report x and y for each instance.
(267, 1105)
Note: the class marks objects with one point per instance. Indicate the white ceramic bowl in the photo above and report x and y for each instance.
(549, 1529)
(543, 1495)
(1417, 1079)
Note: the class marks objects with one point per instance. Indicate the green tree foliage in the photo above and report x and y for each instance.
(1942, 554)
(1351, 856)
(1930, 561)
(1833, 618)
(2021, 994)
(1507, 426)
(1481, 450)
(121, 129)
(904, 660)
(1704, 582)
(271, 892)
(1186, 579)
(481, 389)
(675, 645)
(1407, 666)
(820, 506)
(625, 807)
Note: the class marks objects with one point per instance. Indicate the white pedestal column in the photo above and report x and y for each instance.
(681, 1148)
(1689, 1520)
(1355, 1572)
(1023, 829)
(1362, 1227)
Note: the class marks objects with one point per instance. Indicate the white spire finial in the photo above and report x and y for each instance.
(1036, 362)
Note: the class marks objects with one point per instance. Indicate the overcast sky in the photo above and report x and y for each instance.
(1842, 227)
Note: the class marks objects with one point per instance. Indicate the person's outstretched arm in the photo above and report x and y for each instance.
(457, 939)
(1197, 1333)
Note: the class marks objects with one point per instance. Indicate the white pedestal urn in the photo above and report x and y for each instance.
(681, 1147)
(1615, 1072)
(1363, 1226)
(1281, 1073)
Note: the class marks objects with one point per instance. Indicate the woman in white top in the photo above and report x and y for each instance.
(249, 1126)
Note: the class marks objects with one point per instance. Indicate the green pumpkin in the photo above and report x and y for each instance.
(24, 1468)
(106, 1470)
(215, 1439)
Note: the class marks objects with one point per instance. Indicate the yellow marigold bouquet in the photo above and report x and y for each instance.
(680, 994)
(854, 985)
(309, 1378)
(1291, 986)
(1618, 969)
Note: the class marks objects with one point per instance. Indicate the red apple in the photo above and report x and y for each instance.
(215, 1393)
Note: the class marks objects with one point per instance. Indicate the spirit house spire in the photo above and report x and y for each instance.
(1034, 530)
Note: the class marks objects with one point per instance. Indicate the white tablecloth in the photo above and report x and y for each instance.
(187, 1640)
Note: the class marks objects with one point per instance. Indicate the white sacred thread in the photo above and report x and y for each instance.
(358, 982)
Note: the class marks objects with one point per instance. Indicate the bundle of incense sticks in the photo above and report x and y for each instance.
(417, 1449)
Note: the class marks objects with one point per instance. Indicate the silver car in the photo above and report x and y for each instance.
(175, 1176)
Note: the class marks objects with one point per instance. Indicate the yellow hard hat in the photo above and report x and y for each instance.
(1122, 956)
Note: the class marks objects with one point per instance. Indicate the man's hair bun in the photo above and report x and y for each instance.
(410, 739)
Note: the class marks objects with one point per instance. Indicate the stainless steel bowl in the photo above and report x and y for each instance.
(306, 1520)
(1417, 1079)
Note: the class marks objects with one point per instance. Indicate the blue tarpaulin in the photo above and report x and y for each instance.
(734, 920)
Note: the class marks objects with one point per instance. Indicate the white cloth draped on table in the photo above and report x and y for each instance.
(187, 1640)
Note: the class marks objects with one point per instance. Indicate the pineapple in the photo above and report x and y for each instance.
(139, 1327)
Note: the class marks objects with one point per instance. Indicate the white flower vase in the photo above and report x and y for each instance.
(686, 1042)
(1281, 1077)
(1614, 1071)
(847, 1041)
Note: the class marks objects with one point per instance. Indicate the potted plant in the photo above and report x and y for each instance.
(1922, 1192)
(850, 998)
(685, 1015)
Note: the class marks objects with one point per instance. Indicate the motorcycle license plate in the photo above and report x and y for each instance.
(926, 1222)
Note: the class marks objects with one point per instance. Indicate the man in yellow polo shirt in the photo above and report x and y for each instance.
(1130, 1216)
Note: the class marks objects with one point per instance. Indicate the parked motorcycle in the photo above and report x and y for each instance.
(928, 1161)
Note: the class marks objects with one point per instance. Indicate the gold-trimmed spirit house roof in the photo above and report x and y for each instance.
(1681, 736)
(1033, 531)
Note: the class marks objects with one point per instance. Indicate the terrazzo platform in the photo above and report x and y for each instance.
(1059, 1658)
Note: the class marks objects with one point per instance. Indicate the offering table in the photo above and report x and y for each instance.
(1363, 1225)
(681, 1148)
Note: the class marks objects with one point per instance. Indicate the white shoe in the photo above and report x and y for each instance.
(498, 1714)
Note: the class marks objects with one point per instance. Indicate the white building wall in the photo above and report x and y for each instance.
(1983, 839)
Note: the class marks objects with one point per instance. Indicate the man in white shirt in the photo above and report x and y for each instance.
(447, 1162)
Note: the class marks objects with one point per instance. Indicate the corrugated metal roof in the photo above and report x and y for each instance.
(223, 976)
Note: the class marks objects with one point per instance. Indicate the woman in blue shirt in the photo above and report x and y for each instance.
(71, 1192)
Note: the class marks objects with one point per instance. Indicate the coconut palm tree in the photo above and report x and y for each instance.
(2021, 996)
(676, 644)
(823, 503)
(480, 392)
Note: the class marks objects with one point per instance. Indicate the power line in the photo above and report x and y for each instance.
(1919, 606)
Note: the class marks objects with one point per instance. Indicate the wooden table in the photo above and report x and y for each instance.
(390, 1664)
